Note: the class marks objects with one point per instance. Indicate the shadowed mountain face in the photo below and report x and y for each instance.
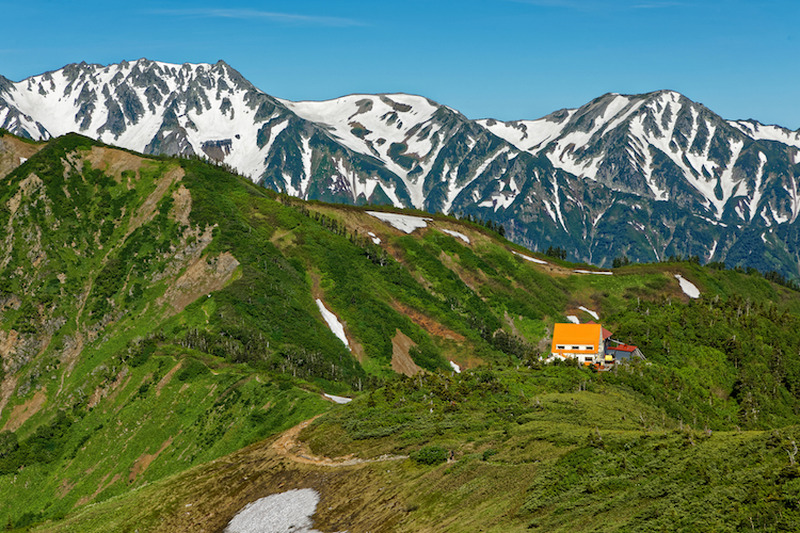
(647, 176)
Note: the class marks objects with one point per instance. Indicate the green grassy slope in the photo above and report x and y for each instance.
(157, 315)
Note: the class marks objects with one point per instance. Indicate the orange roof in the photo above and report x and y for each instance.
(576, 334)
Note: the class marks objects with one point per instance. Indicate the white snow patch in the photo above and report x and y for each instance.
(756, 194)
(713, 249)
(22, 160)
(594, 315)
(457, 234)
(593, 272)
(286, 512)
(688, 288)
(573, 319)
(455, 367)
(337, 399)
(406, 223)
(531, 259)
(336, 327)
(760, 131)
(375, 238)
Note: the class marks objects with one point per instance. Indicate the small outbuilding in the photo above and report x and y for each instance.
(622, 352)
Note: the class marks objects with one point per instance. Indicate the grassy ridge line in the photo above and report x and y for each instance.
(131, 403)
(589, 460)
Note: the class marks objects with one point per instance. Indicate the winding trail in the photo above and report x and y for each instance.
(288, 446)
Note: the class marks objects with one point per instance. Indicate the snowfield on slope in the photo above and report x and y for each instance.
(529, 258)
(457, 234)
(337, 399)
(287, 512)
(336, 327)
(406, 223)
(688, 288)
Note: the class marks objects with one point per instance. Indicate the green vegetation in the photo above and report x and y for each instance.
(160, 314)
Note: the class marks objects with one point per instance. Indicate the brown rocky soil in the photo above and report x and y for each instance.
(200, 278)
(22, 412)
(428, 324)
(147, 210)
(12, 151)
(167, 378)
(145, 460)
(114, 162)
(401, 360)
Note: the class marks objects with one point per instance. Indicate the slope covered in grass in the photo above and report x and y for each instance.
(159, 320)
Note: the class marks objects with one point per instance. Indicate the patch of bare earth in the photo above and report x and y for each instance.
(428, 324)
(353, 497)
(21, 413)
(113, 162)
(13, 151)
(201, 277)
(101, 391)
(512, 324)
(64, 488)
(147, 210)
(145, 460)
(73, 346)
(182, 205)
(469, 278)
(7, 387)
(401, 360)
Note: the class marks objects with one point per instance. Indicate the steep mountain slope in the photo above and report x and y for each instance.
(646, 176)
(665, 147)
(158, 314)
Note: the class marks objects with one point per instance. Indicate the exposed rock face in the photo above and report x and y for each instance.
(647, 176)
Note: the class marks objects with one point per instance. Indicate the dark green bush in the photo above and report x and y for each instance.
(430, 455)
(191, 369)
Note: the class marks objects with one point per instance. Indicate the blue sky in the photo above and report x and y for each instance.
(506, 59)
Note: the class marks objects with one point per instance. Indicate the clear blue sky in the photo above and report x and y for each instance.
(506, 59)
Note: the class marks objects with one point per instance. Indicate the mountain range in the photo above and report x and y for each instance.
(641, 176)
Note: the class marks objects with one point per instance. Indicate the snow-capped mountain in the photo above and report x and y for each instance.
(644, 175)
(665, 147)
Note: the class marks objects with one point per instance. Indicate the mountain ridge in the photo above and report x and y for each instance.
(549, 180)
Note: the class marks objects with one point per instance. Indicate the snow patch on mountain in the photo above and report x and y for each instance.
(457, 234)
(283, 512)
(758, 131)
(406, 223)
(688, 288)
(337, 399)
(335, 326)
(599, 272)
(529, 258)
